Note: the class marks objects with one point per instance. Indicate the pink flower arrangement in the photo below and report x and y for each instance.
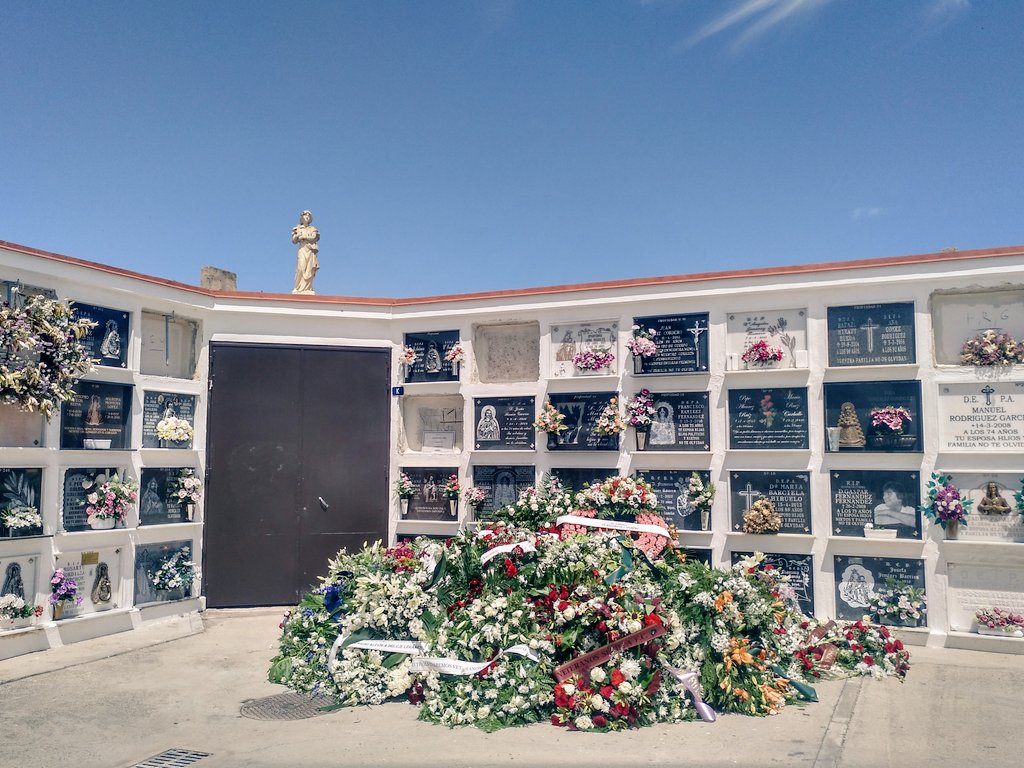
(111, 499)
(640, 410)
(475, 495)
(593, 359)
(1000, 618)
(642, 344)
(762, 353)
(889, 420)
(407, 356)
(610, 421)
(990, 348)
(456, 354)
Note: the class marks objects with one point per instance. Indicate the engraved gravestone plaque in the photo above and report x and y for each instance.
(503, 484)
(107, 342)
(670, 487)
(799, 569)
(871, 334)
(431, 347)
(768, 419)
(858, 578)
(157, 406)
(582, 411)
(504, 424)
(681, 422)
(682, 342)
(790, 492)
(888, 499)
(96, 417)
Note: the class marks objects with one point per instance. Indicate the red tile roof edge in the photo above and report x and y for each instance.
(797, 269)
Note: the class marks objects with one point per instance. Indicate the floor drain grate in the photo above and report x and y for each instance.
(172, 758)
(285, 706)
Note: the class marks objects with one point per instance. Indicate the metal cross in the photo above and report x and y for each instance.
(987, 392)
(696, 331)
(870, 326)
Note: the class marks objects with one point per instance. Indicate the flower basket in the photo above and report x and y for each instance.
(761, 354)
(593, 362)
(102, 523)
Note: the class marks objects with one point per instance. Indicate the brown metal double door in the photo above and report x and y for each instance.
(297, 466)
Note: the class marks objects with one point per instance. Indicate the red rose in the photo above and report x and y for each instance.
(652, 619)
(599, 721)
(617, 678)
(868, 660)
(899, 645)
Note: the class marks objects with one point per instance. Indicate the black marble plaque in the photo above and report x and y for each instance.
(682, 342)
(871, 334)
(670, 486)
(575, 479)
(857, 577)
(504, 423)
(16, 293)
(78, 483)
(97, 417)
(428, 502)
(107, 343)
(148, 558)
(582, 410)
(156, 506)
(682, 422)
(790, 492)
(799, 569)
(503, 484)
(431, 347)
(843, 400)
(700, 554)
(20, 488)
(160, 405)
(884, 498)
(768, 419)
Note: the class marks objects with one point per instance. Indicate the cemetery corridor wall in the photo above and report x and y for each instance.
(871, 334)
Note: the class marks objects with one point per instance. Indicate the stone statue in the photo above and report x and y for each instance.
(306, 236)
(993, 503)
(850, 433)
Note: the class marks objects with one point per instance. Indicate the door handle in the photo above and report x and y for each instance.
(323, 504)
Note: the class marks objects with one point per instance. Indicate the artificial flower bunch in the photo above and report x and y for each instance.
(550, 420)
(593, 359)
(700, 495)
(21, 518)
(889, 420)
(176, 570)
(42, 356)
(475, 495)
(610, 422)
(111, 499)
(538, 506)
(762, 353)
(15, 607)
(492, 628)
(456, 354)
(992, 348)
(835, 649)
(945, 503)
(999, 618)
(407, 356)
(640, 410)
(63, 588)
(762, 517)
(185, 487)
(641, 344)
(451, 488)
(404, 488)
(174, 429)
(897, 603)
(618, 496)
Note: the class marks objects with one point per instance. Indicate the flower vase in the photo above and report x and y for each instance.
(453, 507)
(404, 503)
(705, 519)
(641, 439)
(552, 441)
(638, 364)
(58, 610)
(190, 511)
(592, 371)
(103, 524)
(455, 370)
(952, 529)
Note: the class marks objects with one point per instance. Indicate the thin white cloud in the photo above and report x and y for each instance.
(943, 10)
(759, 16)
(867, 213)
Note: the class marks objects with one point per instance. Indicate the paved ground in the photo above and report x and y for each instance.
(118, 700)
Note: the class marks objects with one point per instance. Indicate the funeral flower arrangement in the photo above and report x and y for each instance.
(889, 420)
(456, 354)
(999, 618)
(762, 353)
(945, 503)
(407, 356)
(642, 342)
(610, 421)
(701, 495)
(63, 588)
(897, 603)
(550, 420)
(21, 518)
(14, 607)
(185, 487)
(176, 570)
(475, 495)
(403, 487)
(640, 410)
(991, 348)
(41, 354)
(508, 626)
(451, 488)
(593, 359)
(111, 499)
(762, 517)
(174, 429)
(538, 506)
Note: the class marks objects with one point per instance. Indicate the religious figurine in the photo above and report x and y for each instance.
(432, 359)
(101, 585)
(850, 433)
(306, 236)
(111, 344)
(993, 503)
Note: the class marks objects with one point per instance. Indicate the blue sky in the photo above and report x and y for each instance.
(460, 146)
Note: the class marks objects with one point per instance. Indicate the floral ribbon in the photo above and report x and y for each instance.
(615, 525)
(490, 554)
(467, 668)
(412, 647)
(690, 683)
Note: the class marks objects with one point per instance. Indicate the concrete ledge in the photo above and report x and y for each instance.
(971, 641)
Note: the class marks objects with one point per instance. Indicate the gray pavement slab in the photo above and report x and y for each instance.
(115, 701)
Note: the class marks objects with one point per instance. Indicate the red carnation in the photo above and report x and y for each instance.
(651, 619)
(606, 691)
(617, 678)
(599, 721)
(868, 660)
